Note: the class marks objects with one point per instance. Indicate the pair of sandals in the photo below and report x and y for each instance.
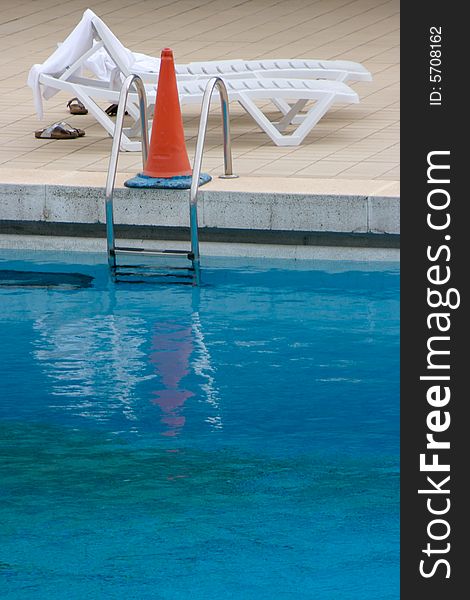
(62, 130)
(77, 108)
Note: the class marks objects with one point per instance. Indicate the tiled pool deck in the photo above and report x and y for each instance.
(349, 162)
(353, 142)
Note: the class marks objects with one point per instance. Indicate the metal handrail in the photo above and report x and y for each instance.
(111, 178)
(201, 136)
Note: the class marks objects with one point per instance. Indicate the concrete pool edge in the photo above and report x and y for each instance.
(247, 211)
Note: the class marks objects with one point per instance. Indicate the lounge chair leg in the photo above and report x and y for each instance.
(289, 117)
(312, 117)
(283, 106)
(316, 112)
(263, 122)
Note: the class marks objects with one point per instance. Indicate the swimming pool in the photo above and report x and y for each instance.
(235, 441)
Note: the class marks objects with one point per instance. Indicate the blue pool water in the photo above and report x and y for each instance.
(163, 442)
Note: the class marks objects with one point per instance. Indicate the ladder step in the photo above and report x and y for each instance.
(161, 281)
(151, 252)
(152, 273)
(143, 277)
(151, 268)
(155, 275)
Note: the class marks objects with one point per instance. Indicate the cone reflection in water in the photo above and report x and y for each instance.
(171, 350)
(168, 156)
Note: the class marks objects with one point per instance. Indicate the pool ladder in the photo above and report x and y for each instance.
(184, 275)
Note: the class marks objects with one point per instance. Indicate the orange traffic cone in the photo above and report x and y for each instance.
(167, 152)
(167, 163)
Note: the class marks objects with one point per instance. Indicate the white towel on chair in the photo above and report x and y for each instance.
(75, 45)
(103, 66)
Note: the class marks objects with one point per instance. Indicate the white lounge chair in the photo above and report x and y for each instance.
(114, 54)
(243, 91)
(112, 60)
(63, 71)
